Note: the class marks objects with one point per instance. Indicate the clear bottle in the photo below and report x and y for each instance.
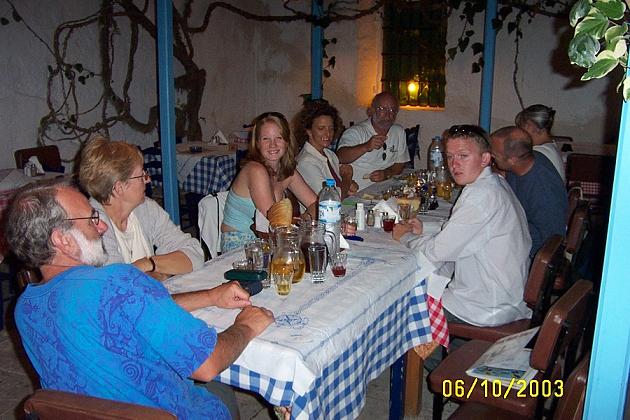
(330, 214)
(360, 216)
(436, 154)
(370, 218)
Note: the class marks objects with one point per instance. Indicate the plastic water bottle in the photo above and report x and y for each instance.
(436, 156)
(360, 215)
(330, 214)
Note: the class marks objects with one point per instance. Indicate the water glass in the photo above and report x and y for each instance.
(240, 265)
(404, 211)
(254, 255)
(339, 261)
(317, 261)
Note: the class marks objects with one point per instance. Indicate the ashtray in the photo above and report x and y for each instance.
(195, 149)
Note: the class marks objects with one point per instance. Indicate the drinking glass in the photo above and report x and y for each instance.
(404, 211)
(317, 262)
(388, 223)
(339, 261)
(283, 278)
(254, 255)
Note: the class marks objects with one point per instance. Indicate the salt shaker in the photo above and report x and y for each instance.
(370, 218)
(378, 218)
(360, 216)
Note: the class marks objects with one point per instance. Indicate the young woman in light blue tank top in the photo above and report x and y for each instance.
(268, 171)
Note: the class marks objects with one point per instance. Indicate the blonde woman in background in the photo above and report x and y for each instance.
(140, 231)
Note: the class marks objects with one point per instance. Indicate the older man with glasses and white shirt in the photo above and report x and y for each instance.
(377, 147)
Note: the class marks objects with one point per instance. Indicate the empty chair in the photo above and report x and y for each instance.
(48, 156)
(570, 406)
(537, 295)
(594, 173)
(576, 232)
(210, 219)
(553, 352)
(53, 405)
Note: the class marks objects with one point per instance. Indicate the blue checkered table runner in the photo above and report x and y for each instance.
(209, 176)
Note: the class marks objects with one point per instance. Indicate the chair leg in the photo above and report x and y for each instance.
(414, 367)
(438, 406)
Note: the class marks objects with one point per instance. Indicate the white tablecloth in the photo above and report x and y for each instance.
(377, 309)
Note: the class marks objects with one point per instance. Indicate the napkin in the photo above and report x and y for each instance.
(388, 206)
(218, 138)
(33, 160)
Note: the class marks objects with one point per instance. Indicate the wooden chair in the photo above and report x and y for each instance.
(554, 351)
(594, 173)
(48, 156)
(570, 406)
(576, 232)
(54, 405)
(537, 296)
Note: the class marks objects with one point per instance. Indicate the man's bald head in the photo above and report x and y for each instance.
(517, 143)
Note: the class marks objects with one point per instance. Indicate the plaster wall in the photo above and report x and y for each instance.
(254, 67)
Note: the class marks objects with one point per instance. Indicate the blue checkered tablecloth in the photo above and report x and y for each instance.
(209, 176)
(329, 340)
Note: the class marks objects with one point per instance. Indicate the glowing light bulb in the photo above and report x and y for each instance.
(412, 87)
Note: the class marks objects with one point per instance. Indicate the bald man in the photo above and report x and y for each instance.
(377, 147)
(534, 180)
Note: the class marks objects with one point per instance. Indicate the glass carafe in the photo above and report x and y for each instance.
(287, 252)
(312, 232)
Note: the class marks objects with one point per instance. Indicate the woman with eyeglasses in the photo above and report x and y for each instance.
(319, 125)
(268, 171)
(537, 120)
(140, 231)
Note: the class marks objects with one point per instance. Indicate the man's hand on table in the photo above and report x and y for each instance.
(229, 296)
(255, 319)
(378, 175)
(412, 225)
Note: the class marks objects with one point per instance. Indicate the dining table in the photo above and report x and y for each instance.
(330, 339)
(202, 168)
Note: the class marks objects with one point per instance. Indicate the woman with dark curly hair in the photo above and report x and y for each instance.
(319, 126)
(267, 172)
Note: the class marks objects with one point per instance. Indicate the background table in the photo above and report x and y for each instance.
(203, 173)
(329, 340)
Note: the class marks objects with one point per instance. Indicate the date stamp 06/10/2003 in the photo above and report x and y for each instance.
(496, 389)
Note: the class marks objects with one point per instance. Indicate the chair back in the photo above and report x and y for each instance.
(578, 226)
(571, 405)
(562, 329)
(537, 294)
(574, 196)
(412, 135)
(210, 219)
(52, 405)
(48, 156)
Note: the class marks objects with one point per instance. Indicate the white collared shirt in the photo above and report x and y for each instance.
(488, 240)
(396, 150)
(313, 167)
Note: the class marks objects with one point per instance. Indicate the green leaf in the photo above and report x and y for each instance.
(452, 52)
(618, 47)
(78, 67)
(612, 9)
(595, 23)
(477, 47)
(615, 31)
(578, 11)
(582, 50)
(600, 69)
(626, 89)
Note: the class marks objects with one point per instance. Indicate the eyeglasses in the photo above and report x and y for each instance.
(467, 130)
(145, 176)
(95, 218)
(384, 155)
(383, 110)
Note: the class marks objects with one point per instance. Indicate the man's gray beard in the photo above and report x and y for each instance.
(92, 251)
